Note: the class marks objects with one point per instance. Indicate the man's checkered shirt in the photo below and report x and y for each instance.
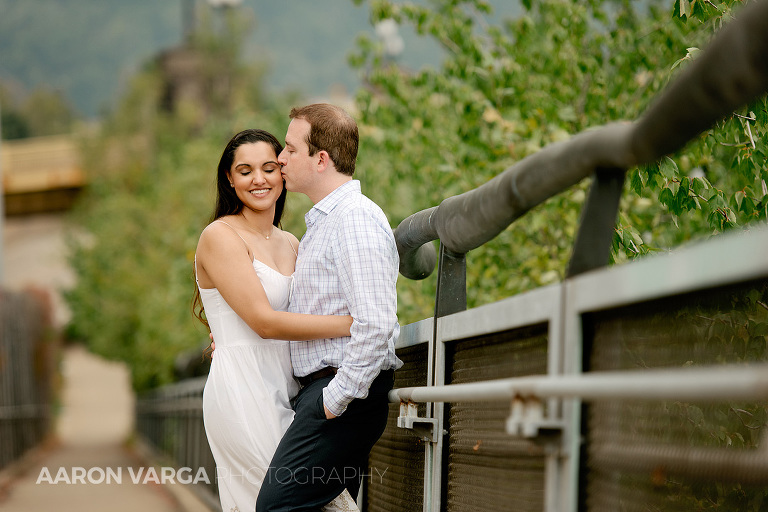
(347, 265)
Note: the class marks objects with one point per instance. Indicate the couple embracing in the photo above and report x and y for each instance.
(293, 423)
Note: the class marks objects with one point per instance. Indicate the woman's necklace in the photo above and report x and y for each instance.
(272, 229)
(262, 234)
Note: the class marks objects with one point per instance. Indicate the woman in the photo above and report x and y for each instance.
(243, 266)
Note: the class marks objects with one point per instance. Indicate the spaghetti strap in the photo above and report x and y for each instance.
(290, 243)
(238, 234)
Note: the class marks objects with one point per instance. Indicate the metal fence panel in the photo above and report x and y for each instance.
(654, 455)
(486, 468)
(26, 369)
(170, 421)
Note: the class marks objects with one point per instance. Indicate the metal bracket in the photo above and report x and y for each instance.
(451, 294)
(592, 247)
(526, 419)
(424, 428)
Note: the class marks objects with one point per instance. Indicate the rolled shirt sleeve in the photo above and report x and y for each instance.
(367, 267)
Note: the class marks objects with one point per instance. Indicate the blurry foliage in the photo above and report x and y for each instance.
(151, 191)
(503, 92)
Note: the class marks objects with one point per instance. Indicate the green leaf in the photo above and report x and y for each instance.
(668, 168)
(685, 186)
(666, 197)
(717, 201)
(760, 329)
(738, 199)
(700, 185)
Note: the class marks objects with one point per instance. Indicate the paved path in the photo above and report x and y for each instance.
(95, 420)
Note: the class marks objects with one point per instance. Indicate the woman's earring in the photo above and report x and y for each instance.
(231, 184)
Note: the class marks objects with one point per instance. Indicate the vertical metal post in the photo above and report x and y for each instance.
(592, 248)
(450, 297)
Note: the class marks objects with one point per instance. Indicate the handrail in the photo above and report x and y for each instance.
(711, 383)
(730, 73)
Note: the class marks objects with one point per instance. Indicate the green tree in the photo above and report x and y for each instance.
(504, 91)
(14, 125)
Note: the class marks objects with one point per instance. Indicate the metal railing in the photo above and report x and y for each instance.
(27, 355)
(596, 375)
(170, 421)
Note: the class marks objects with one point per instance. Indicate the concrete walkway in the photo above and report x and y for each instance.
(95, 421)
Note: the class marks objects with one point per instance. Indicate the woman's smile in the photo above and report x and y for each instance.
(260, 192)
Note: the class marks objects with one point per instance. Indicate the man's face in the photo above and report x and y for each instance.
(298, 167)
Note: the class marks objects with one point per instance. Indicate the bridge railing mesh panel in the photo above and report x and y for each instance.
(669, 455)
(486, 468)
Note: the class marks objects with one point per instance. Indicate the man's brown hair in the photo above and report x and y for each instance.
(331, 130)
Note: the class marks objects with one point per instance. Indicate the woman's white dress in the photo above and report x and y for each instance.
(246, 406)
(246, 400)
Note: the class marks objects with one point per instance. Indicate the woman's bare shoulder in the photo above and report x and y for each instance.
(218, 231)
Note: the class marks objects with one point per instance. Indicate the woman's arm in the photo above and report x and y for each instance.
(225, 260)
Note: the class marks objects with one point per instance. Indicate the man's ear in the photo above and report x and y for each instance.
(324, 160)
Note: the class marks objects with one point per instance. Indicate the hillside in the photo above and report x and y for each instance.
(88, 49)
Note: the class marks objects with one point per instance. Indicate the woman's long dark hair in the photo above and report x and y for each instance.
(227, 202)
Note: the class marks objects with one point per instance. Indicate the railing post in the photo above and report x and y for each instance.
(592, 247)
(451, 296)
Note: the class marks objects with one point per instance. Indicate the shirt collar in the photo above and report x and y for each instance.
(331, 201)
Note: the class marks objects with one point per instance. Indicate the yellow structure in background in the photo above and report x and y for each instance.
(41, 174)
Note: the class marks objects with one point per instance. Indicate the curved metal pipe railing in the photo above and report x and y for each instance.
(732, 72)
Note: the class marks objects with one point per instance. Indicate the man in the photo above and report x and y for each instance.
(347, 265)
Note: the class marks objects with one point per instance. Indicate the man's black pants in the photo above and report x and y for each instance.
(318, 458)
